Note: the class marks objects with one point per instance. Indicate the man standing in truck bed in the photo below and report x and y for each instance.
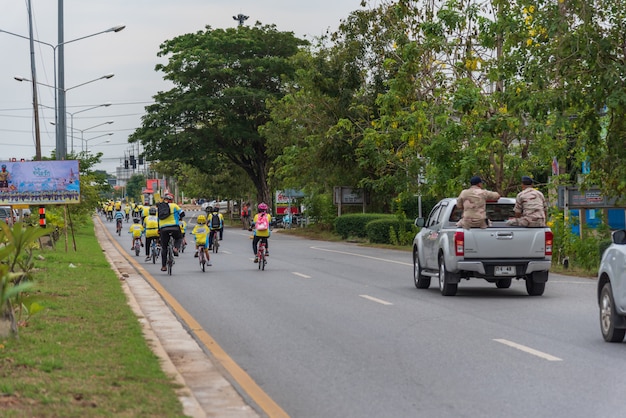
(530, 206)
(473, 201)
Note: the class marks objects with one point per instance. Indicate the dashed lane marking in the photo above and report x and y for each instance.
(528, 350)
(301, 275)
(361, 255)
(373, 299)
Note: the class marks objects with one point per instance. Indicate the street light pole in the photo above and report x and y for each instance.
(86, 141)
(61, 139)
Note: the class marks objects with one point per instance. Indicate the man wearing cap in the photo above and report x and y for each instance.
(530, 206)
(473, 201)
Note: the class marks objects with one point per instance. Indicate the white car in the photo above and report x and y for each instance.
(612, 289)
(208, 206)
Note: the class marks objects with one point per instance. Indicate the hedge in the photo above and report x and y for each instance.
(354, 225)
(378, 231)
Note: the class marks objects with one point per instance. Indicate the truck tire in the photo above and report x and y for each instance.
(608, 316)
(421, 281)
(503, 283)
(445, 286)
(536, 283)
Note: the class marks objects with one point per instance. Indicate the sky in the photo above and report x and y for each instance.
(130, 54)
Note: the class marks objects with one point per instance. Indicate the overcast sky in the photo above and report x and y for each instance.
(130, 54)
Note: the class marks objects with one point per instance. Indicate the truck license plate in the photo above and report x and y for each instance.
(504, 271)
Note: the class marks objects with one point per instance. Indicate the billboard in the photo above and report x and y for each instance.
(39, 182)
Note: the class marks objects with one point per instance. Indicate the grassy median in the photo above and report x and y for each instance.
(84, 354)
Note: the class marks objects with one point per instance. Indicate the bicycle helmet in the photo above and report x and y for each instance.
(136, 220)
(201, 219)
(168, 196)
(262, 207)
(153, 211)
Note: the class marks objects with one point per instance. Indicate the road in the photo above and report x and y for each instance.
(339, 330)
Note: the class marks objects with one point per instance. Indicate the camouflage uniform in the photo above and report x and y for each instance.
(531, 205)
(473, 201)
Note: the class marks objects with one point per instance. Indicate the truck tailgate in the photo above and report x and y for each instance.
(492, 243)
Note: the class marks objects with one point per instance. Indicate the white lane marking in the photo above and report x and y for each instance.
(373, 299)
(528, 350)
(361, 255)
(301, 275)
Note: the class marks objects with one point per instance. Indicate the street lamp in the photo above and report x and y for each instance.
(82, 132)
(59, 93)
(86, 141)
(56, 111)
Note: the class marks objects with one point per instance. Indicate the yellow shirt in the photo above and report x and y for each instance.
(136, 230)
(265, 233)
(201, 231)
(152, 226)
(173, 219)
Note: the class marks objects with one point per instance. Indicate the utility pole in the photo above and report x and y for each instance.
(34, 77)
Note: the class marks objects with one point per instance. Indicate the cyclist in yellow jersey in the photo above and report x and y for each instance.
(261, 235)
(201, 233)
(170, 227)
(136, 229)
(151, 224)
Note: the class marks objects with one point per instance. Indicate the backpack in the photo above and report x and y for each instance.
(261, 223)
(215, 221)
(163, 210)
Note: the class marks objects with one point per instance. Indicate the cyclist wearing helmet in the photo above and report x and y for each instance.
(201, 232)
(136, 230)
(216, 223)
(151, 223)
(170, 227)
(261, 235)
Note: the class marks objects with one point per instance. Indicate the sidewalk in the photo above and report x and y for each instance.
(204, 390)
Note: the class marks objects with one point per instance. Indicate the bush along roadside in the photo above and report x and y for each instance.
(19, 243)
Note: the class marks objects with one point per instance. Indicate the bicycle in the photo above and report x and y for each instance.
(261, 255)
(201, 257)
(170, 255)
(137, 246)
(215, 241)
(155, 251)
(119, 227)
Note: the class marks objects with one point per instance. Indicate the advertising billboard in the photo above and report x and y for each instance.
(39, 182)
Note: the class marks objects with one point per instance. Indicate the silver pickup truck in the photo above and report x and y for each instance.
(497, 254)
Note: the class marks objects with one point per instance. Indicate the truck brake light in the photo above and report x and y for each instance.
(549, 238)
(459, 243)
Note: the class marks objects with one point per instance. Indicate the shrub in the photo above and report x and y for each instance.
(354, 225)
(390, 230)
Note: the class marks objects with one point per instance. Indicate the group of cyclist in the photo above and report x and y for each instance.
(146, 222)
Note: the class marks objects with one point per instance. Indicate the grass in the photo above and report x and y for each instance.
(84, 354)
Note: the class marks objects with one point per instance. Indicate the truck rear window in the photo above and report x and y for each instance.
(496, 212)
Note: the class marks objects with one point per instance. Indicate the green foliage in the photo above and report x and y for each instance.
(390, 230)
(320, 207)
(134, 186)
(222, 79)
(354, 225)
(15, 270)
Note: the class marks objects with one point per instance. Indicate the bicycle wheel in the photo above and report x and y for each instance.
(216, 244)
(153, 254)
(264, 261)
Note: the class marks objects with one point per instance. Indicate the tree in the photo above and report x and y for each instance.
(134, 187)
(223, 79)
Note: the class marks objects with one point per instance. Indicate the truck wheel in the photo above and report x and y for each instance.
(608, 316)
(503, 283)
(421, 281)
(446, 288)
(536, 283)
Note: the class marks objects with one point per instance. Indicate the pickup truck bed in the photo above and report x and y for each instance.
(497, 254)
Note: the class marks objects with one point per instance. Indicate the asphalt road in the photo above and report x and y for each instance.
(339, 330)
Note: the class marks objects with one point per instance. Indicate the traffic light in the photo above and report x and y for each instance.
(140, 159)
(126, 164)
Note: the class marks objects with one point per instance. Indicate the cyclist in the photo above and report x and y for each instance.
(151, 225)
(169, 226)
(136, 229)
(261, 233)
(119, 218)
(216, 224)
(183, 231)
(201, 233)
(127, 212)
